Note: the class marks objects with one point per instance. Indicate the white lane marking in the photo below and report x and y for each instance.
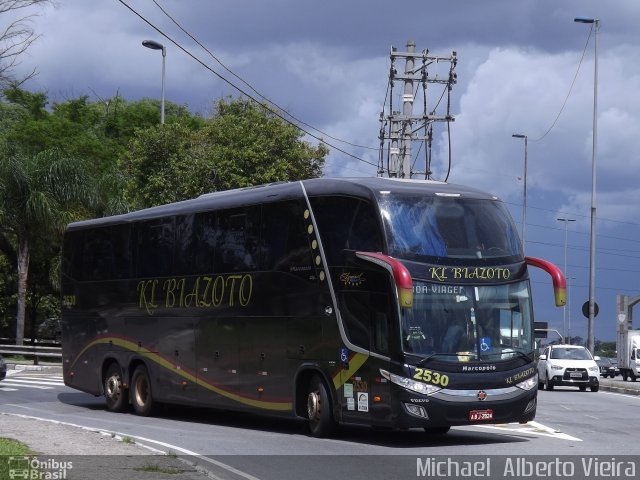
(625, 395)
(35, 381)
(8, 389)
(120, 436)
(25, 385)
(531, 428)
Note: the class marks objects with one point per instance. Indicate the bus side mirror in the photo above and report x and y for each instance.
(401, 276)
(559, 281)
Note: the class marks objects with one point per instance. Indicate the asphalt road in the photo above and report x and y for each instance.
(234, 445)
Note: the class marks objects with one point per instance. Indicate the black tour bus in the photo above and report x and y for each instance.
(382, 302)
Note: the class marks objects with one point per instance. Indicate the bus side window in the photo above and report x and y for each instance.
(365, 317)
(97, 256)
(346, 223)
(285, 241)
(206, 240)
(155, 247)
(239, 239)
(184, 255)
(121, 244)
(380, 333)
(356, 313)
(364, 234)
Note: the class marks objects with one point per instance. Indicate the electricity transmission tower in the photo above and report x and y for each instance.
(400, 130)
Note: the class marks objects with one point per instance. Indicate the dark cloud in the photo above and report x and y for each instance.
(327, 63)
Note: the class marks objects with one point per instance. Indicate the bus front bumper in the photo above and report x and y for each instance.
(466, 407)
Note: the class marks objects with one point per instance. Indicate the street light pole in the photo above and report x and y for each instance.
(564, 309)
(158, 46)
(524, 203)
(592, 249)
(569, 282)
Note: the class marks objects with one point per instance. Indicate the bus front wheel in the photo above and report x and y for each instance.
(321, 423)
(114, 391)
(141, 396)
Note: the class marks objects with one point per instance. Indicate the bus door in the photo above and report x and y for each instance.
(365, 308)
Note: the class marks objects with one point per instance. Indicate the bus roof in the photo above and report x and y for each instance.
(365, 187)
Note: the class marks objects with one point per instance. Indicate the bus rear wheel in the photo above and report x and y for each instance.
(321, 423)
(141, 396)
(114, 391)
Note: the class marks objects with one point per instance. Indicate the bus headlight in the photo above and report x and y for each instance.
(529, 383)
(410, 384)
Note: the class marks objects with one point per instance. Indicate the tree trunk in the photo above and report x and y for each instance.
(23, 271)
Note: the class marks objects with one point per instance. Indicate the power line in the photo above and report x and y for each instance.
(243, 92)
(600, 219)
(570, 89)
(250, 86)
(401, 129)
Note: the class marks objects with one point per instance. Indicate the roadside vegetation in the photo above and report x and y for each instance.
(10, 448)
(83, 158)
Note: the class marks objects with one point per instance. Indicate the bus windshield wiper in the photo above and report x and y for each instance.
(521, 354)
(424, 360)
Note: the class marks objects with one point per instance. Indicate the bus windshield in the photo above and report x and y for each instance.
(435, 229)
(462, 323)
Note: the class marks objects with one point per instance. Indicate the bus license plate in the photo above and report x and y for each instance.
(478, 415)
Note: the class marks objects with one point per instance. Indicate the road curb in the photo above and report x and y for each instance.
(621, 390)
(34, 368)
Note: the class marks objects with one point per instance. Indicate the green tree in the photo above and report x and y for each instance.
(165, 164)
(91, 135)
(243, 144)
(39, 195)
(252, 145)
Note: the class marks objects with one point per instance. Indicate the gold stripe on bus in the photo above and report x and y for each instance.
(343, 375)
(154, 357)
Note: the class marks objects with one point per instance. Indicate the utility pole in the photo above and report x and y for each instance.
(401, 130)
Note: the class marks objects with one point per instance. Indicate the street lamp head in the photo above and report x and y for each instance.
(153, 45)
(585, 20)
(518, 135)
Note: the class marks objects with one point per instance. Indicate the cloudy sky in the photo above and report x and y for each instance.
(327, 63)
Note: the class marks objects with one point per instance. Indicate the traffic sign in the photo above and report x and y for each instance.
(585, 309)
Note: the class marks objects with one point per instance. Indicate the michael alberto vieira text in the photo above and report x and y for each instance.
(521, 467)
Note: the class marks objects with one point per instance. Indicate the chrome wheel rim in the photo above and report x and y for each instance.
(142, 391)
(313, 405)
(113, 387)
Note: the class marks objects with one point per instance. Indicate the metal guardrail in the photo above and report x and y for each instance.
(32, 351)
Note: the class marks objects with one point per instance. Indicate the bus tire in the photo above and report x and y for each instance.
(114, 392)
(321, 423)
(141, 394)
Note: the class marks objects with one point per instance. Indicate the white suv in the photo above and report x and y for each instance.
(570, 365)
